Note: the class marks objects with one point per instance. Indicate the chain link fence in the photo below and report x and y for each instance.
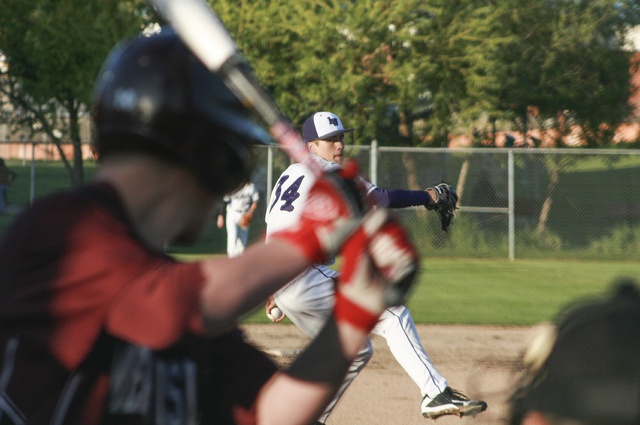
(514, 203)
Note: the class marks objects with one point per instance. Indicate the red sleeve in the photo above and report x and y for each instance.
(109, 280)
(159, 307)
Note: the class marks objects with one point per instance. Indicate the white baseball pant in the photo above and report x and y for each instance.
(236, 236)
(308, 302)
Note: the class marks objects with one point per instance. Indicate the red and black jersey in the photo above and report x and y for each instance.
(77, 287)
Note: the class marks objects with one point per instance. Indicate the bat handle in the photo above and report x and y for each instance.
(238, 77)
(242, 83)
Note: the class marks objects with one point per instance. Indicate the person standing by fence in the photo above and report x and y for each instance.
(240, 208)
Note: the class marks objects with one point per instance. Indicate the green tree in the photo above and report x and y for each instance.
(409, 72)
(454, 68)
(382, 65)
(306, 55)
(566, 62)
(53, 51)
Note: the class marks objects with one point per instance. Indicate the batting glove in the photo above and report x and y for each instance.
(396, 259)
(333, 211)
(379, 268)
(360, 290)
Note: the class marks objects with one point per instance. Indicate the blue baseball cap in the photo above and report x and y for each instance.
(323, 125)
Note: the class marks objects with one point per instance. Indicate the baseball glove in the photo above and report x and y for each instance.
(245, 220)
(444, 205)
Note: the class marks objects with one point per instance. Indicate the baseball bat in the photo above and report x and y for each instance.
(206, 36)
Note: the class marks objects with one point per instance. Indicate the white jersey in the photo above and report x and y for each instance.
(241, 201)
(290, 194)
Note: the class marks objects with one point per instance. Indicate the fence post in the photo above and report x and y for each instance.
(25, 139)
(269, 172)
(512, 254)
(373, 161)
(32, 186)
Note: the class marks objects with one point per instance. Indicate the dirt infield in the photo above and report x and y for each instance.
(478, 360)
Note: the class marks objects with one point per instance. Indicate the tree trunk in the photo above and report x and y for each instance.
(554, 179)
(410, 168)
(404, 129)
(464, 171)
(77, 175)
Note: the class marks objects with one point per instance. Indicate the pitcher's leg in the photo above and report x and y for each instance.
(438, 399)
(397, 327)
(358, 364)
(308, 302)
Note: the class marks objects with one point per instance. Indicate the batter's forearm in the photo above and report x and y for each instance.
(328, 357)
(254, 279)
(300, 394)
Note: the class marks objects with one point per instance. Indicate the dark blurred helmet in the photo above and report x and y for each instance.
(587, 366)
(152, 95)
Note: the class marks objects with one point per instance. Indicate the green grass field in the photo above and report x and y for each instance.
(500, 292)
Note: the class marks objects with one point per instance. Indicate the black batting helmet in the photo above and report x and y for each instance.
(586, 368)
(154, 96)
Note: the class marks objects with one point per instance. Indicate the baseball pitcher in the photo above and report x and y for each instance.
(309, 299)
